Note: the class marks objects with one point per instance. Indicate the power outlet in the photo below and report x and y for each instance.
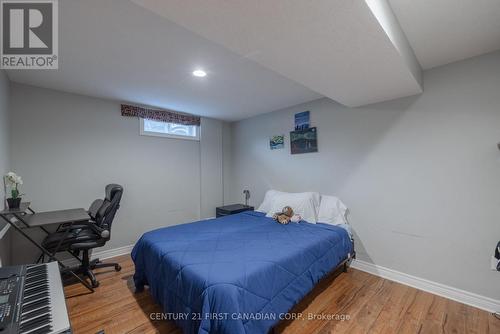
(494, 263)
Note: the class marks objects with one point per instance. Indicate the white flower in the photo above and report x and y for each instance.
(13, 179)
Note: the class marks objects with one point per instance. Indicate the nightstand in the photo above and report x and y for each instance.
(227, 210)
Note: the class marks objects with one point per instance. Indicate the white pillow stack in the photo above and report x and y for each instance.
(310, 205)
(304, 204)
(268, 200)
(332, 211)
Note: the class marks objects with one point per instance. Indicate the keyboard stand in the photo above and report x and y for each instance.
(40, 220)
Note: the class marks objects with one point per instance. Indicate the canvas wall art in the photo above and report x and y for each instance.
(304, 141)
(302, 120)
(277, 142)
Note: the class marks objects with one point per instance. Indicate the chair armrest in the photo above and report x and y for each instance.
(66, 227)
(90, 225)
(102, 232)
(74, 226)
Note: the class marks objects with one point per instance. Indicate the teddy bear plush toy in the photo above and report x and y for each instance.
(284, 216)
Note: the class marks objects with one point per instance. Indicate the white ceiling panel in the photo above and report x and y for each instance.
(335, 47)
(444, 31)
(118, 50)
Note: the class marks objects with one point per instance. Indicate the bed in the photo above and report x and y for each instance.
(236, 274)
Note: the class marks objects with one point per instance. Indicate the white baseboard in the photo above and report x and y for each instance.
(462, 296)
(106, 254)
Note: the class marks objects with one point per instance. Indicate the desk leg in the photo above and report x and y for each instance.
(41, 257)
(49, 254)
(66, 233)
(59, 244)
(19, 217)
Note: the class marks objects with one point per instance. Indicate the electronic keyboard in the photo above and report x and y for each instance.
(32, 300)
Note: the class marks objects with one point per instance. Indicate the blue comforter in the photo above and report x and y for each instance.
(235, 274)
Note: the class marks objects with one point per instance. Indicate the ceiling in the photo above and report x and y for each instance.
(115, 49)
(335, 47)
(260, 55)
(444, 31)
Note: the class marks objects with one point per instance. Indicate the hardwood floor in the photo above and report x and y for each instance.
(355, 302)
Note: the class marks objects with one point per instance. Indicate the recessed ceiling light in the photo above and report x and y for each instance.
(199, 73)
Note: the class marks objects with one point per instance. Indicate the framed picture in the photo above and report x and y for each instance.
(277, 142)
(302, 120)
(304, 141)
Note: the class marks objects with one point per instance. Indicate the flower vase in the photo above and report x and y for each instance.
(14, 203)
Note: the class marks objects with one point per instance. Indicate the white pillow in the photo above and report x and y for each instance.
(332, 211)
(302, 204)
(265, 206)
(316, 200)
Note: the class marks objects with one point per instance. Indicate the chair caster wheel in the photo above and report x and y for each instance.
(118, 267)
(95, 284)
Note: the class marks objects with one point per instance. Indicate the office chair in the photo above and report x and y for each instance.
(81, 238)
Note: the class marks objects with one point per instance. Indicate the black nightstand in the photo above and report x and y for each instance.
(227, 210)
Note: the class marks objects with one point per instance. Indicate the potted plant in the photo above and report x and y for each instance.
(13, 181)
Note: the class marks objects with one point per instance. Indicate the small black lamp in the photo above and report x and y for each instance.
(247, 196)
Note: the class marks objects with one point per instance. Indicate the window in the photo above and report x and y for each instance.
(163, 129)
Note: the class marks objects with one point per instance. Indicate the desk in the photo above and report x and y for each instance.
(25, 218)
(56, 217)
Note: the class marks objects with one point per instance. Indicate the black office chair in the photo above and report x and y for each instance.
(82, 238)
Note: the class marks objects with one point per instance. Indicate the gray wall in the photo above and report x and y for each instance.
(67, 147)
(227, 162)
(211, 194)
(421, 175)
(4, 130)
(4, 159)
